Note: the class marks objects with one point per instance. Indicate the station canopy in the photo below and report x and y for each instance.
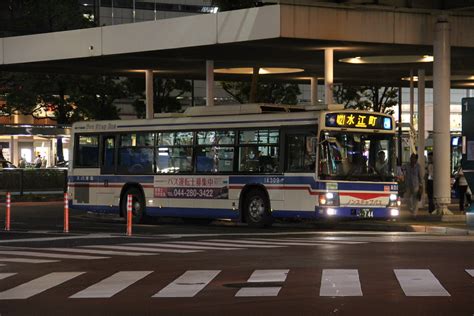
(373, 45)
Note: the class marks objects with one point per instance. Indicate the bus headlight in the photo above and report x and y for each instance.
(329, 199)
(394, 200)
(331, 212)
(394, 212)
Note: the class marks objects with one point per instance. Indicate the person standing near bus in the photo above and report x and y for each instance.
(463, 187)
(429, 183)
(413, 182)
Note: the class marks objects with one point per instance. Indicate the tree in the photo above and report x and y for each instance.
(378, 99)
(267, 92)
(94, 98)
(166, 93)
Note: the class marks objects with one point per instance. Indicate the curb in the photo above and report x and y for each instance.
(441, 230)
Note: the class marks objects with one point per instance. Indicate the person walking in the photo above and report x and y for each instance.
(462, 189)
(413, 183)
(429, 183)
(37, 161)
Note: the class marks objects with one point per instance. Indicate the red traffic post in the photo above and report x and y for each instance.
(129, 215)
(7, 214)
(66, 214)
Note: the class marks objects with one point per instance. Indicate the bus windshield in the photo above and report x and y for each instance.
(356, 156)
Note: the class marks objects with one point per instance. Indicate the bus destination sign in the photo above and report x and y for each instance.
(358, 120)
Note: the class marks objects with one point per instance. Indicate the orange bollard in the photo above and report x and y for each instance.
(7, 215)
(66, 214)
(129, 215)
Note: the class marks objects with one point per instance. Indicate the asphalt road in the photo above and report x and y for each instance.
(181, 269)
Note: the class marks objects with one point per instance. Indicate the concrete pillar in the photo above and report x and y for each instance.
(149, 94)
(314, 90)
(441, 116)
(421, 126)
(412, 101)
(209, 82)
(328, 75)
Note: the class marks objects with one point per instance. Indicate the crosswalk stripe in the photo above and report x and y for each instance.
(419, 282)
(224, 244)
(257, 241)
(101, 252)
(154, 250)
(470, 271)
(49, 255)
(167, 245)
(189, 284)
(263, 276)
(6, 275)
(307, 240)
(26, 260)
(36, 286)
(340, 282)
(112, 285)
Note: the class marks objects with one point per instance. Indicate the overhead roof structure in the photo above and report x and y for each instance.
(282, 36)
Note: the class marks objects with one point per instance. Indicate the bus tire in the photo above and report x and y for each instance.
(138, 205)
(257, 209)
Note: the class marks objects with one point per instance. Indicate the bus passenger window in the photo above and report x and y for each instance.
(87, 151)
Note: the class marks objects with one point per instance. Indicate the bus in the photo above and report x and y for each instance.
(251, 163)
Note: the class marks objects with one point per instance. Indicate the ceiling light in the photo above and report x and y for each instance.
(262, 71)
(388, 59)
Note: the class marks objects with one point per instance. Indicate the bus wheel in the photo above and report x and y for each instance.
(138, 205)
(257, 209)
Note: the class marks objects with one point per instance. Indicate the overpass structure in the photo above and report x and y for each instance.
(334, 43)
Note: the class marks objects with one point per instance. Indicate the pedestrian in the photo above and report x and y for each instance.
(462, 189)
(413, 182)
(22, 162)
(44, 162)
(37, 161)
(429, 183)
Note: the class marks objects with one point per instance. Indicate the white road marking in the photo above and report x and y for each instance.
(112, 285)
(189, 284)
(257, 241)
(223, 244)
(470, 271)
(419, 282)
(263, 276)
(306, 240)
(91, 236)
(25, 260)
(36, 286)
(154, 250)
(49, 255)
(6, 275)
(340, 282)
(101, 252)
(169, 245)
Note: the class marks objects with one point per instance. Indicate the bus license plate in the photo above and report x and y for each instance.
(366, 213)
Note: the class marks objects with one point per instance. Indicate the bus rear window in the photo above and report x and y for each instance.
(87, 151)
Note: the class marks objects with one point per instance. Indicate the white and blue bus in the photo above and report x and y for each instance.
(250, 163)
